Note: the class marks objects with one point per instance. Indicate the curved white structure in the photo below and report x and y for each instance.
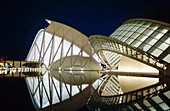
(60, 47)
(59, 41)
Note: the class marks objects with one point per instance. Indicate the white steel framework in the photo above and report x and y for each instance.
(59, 41)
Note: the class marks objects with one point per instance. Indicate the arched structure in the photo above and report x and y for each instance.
(144, 40)
(61, 48)
(137, 45)
(59, 41)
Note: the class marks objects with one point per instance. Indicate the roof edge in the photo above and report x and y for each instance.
(149, 20)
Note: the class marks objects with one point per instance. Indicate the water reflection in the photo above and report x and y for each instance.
(61, 90)
(21, 72)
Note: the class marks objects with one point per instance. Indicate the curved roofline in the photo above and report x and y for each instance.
(51, 21)
(52, 29)
(36, 36)
(149, 20)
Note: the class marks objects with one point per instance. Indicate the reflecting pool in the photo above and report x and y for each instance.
(62, 90)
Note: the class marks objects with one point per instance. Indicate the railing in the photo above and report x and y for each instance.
(99, 42)
(106, 102)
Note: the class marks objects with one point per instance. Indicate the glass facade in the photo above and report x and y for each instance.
(146, 41)
(150, 37)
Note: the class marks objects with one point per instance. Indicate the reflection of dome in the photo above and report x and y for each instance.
(160, 13)
(76, 77)
(76, 72)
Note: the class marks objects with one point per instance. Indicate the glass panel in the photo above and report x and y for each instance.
(39, 40)
(167, 58)
(156, 52)
(163, 46)
(119, 37)
(66, 48)
(129, 34)
(148, 32)
(164, 106)
(158, 44)
(162, 29)
(120, 28)
(154, 26)
(157, 99)
(137, 105)
(124, 33)
(47, 55)
(47, 39)
(152, 109)
(146, 103)
(76, 50)
(142, 37)
(116, 33)
(144, 47)
(56, 41)
(135, 22)
(146, 24)
(168, 40)
(129, 41)
(141, 29)
(135, 28)
(139, 23)
(151, 41)
(159, 36)
(136, 43)
(130, 28)
(135, 35)
(167, 94)
(120, 32)
(125, 27)
(123, 39)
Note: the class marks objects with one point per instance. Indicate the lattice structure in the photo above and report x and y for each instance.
(58, 41)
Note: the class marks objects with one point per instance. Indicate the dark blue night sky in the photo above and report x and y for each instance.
(21, 20)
